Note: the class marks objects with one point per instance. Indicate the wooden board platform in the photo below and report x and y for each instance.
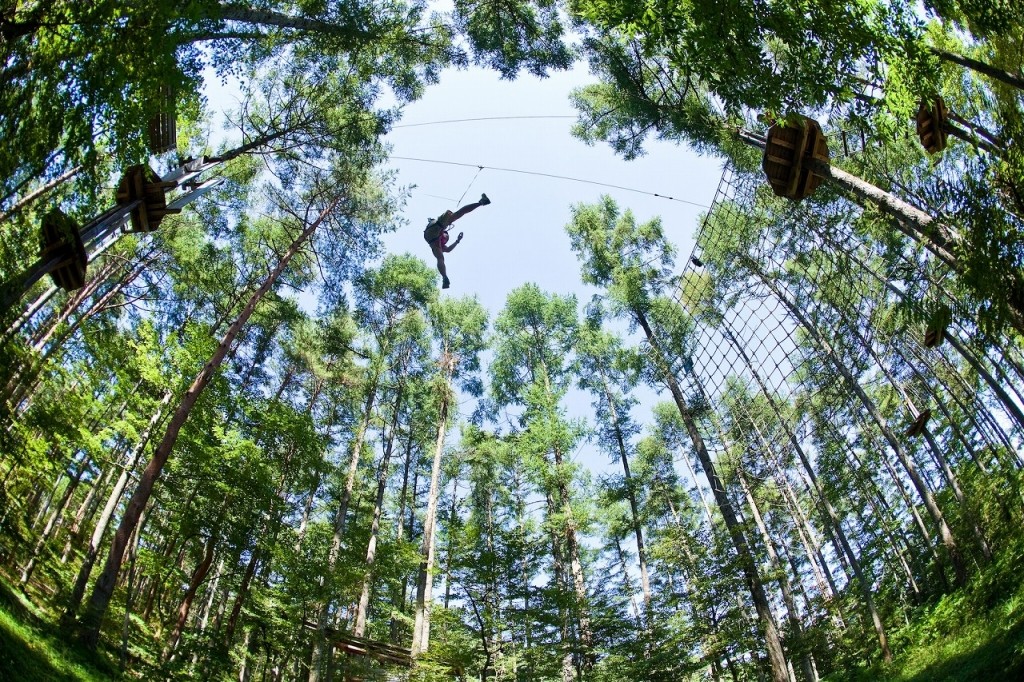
(785, 152)
(62, 245)
(360, 646)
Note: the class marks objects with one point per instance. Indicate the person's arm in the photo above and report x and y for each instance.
(457, 240)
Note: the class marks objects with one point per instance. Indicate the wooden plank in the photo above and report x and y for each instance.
(360, 646)
(797, 166)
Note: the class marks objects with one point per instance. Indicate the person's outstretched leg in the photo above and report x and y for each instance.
(469, 207)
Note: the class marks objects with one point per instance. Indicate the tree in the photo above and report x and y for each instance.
(458, 328)
(647, 86)
(530, 369)
(607, 370)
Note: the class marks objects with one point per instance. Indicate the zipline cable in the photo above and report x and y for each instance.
(438, 196)
(550, 175)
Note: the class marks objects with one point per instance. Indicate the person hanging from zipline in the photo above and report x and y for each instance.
(436, 235)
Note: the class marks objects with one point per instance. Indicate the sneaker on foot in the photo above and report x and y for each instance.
(445, 284)
(484, 200)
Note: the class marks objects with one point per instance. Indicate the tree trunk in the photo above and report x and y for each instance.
(51, 523)
(371, 548)
(1009, 405)
(922, 489)
(243, 591)
(452, 511)
(198, 576)
(996, 73)
(92, 551)
(104, 589)
(786, 587)
(915, 224)
(641, 550)
(940, 461)
(340, 520)
(35, 194)
(425, 581)
(356, 37)
(572, 552)
(864, 586)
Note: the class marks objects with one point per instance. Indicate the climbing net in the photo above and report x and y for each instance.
(808, 339)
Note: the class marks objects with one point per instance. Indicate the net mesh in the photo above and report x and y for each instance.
(807, 347)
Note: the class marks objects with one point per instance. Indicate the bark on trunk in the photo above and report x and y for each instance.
(830, 513)
(340, 520)
(198, 576)
(641, 549)
(981, 67)
(785, 586)
(51, 523)
(243, 590)
(35, 194)
(371, 547)
(92, 551)
(243, 14)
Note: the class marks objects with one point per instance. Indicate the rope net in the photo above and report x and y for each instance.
(807, 372)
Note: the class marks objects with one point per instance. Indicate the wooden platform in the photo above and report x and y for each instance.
(142, 183)
(931, 124)
(360, 646)
(163, 127)
(786, 150)
(62, 251)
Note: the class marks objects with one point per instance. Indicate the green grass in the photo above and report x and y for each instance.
(972, 650)
(968, 636)
(973, 635)
(31, 650)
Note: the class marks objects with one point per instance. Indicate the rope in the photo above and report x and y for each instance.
(479, 169)
(550, 175)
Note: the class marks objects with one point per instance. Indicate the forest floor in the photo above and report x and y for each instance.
(975, 634)
(951, 641)
(32, 648)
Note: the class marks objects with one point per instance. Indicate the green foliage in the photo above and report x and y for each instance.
(975, 633)
(513, 36)
(539, 562)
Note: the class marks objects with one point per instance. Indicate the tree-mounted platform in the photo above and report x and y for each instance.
(141, 201)
(141, 182)
(786, 152)
(919, 423)
(62, 251)
(931, 118)
(938, 323)
(360, 646)
(163, 127)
